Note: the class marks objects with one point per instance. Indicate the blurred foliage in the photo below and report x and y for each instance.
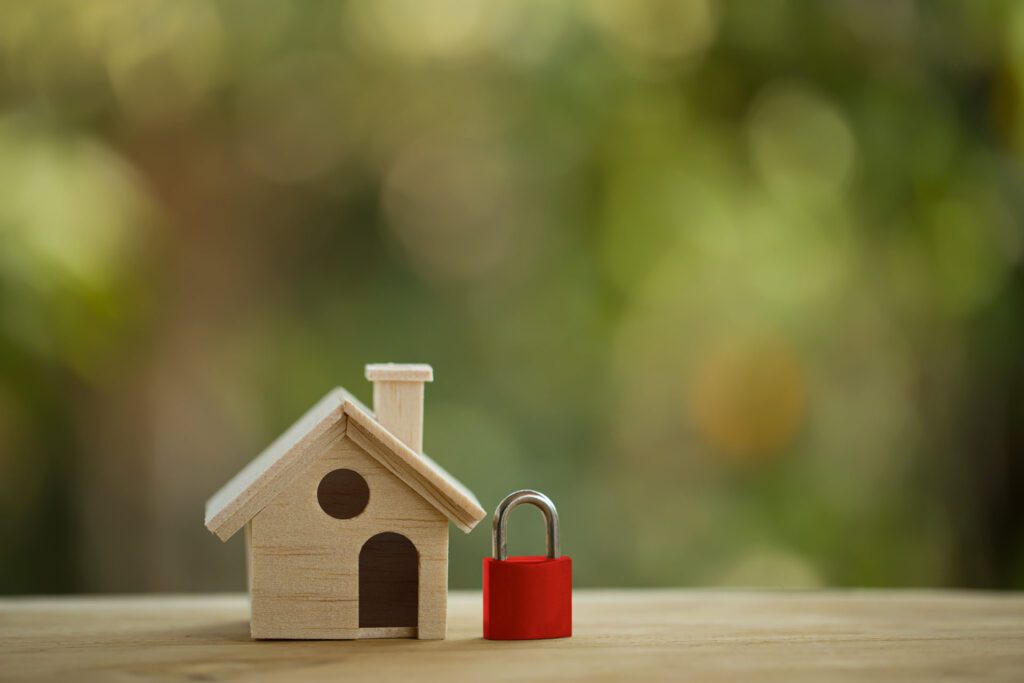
(739, 285)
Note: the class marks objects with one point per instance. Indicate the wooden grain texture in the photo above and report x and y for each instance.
(398, 407)
(399, 372)
(305, 580)
(644, 635)
(302, 501)
(398, 399)
(245, 494)
(417, 470)
(262, 480)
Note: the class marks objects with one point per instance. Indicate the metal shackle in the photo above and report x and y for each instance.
(499, 530)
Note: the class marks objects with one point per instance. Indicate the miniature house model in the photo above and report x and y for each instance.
(346, 520)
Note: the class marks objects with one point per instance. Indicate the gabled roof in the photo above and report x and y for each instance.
(336, 415)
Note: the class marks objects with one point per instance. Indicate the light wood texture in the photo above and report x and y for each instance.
(284, 460)
(305, 563)
(421, 473)
(386, 632)
(271, 471)
(398, 407)
(400, 372)
(398, 399)
(619, 635)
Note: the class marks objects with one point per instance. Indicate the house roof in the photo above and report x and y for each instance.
(336, 415)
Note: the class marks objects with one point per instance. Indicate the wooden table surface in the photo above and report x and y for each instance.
(620, 635)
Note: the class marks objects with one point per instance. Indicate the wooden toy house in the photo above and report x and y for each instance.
(346, 520)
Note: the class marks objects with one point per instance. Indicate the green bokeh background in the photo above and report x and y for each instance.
(739, 285)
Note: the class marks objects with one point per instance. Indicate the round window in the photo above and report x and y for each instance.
(343, 494)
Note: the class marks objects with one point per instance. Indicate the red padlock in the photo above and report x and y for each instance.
(526, 598)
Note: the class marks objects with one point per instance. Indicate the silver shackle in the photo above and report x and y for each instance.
(499, 530)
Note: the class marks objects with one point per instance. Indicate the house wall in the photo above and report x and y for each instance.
(304, 564)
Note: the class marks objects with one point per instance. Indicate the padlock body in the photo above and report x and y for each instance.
(527, 598)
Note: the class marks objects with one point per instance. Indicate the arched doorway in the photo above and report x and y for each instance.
(388, 582)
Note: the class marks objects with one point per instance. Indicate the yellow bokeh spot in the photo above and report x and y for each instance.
(748, 398)
(417, 30)
(655, 29)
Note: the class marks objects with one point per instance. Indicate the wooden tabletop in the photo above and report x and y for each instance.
(620, 635)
